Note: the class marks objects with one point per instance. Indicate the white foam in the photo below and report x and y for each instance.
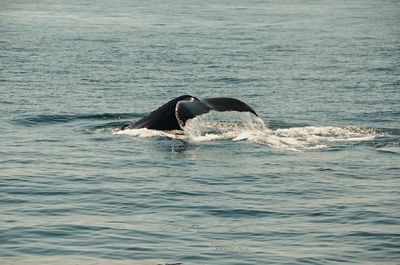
(237, 126)
(147, 133)
(311, 137)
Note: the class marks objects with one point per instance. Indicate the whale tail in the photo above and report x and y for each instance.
(174, 114)
(188, 109)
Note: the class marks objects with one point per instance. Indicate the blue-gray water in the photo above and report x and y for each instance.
(321, 185)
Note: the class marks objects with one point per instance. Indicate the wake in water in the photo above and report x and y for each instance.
(238, 126)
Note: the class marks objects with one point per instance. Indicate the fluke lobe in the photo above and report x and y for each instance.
(174, 114)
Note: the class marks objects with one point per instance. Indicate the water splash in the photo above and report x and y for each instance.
(222, 125)
(237, 126)
(311, 137)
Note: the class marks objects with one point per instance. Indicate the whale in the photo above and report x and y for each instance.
(174, 114)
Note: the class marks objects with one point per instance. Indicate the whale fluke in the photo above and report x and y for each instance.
(174, 114)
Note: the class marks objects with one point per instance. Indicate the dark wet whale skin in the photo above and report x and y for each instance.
(174, 114)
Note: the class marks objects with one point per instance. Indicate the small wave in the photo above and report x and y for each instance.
(389, 150)
(390, 145)
(247, 127)
(64, 118)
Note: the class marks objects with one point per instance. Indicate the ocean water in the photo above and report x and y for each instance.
(315, 179)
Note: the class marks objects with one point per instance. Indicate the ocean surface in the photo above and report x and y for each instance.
(315, 179)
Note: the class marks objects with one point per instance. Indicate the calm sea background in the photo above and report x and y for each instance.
(322, 186)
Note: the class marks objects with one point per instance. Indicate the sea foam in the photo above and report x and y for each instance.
(238, 126)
